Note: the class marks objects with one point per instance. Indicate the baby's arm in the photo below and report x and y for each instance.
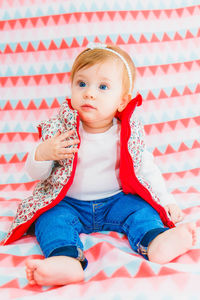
(39, 162)
(152, 174)
(59, 147)
(37, 170)
(175, 212)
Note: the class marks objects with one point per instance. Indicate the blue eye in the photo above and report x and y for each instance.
(82, 84)
(103, 87)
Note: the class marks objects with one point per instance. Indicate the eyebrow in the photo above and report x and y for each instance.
(105, 79)
(82, 76)
(77, 76)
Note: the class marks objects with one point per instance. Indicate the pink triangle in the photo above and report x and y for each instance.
(140, 16)
(22, 2)
(197, 10)
(145, 271)
(174, 93)
(197, 120)
(179, 125)
(187, 122)
(162, 94)
(9, 83)
(119, 16)
(192, 190)
(55, 19)
(188, 65)
(189, 35)
(146, 14)
(155, 129)
(172, 124)
(180, 11)
(121, 272)
(167, 271)
(185, 13)
(183, 147)
(18, 25)
(23, 22)
(187, 91)
(7, 26)
(156, 152)
(168, 13)
(167, 176)
(51, 21)
(123, 14)
(166, 127)
(129, 16)
(166, 38)
(55, 80)
(141, 70)
(8, 106)
(106, 17)
(5, 139)
(43, 81)
(154, 38)
(72, 20)
(157, 13)
(150, 96)
(160, 126)
(190, 9)
(195, 145)
(169, 150)
(6, 188)
(61, 21)
(29, 24)
(26, 56)
(94, 18)
(147, 129)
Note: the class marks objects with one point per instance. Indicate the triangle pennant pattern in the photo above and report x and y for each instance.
(40, 41)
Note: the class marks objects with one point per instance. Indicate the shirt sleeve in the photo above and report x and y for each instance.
(152, 174)
(38, 170)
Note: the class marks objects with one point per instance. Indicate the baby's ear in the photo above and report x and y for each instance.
(124, 102)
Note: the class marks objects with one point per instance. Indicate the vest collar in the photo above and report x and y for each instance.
(129, 109)
(137, 101)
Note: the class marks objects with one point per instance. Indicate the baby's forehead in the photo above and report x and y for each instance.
(101, 65)
(108, 69)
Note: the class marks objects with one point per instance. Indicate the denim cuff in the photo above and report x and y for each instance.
(71, 251)
(147, 238)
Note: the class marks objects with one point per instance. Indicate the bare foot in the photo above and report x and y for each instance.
(55, 270)
(172, 243)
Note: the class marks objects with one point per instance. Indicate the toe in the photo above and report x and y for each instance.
(33, 264)
(30, 277)
(31, 269)
(32, 282)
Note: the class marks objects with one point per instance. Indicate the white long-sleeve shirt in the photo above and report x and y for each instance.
(97, 171)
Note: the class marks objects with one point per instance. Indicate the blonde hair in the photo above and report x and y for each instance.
(90, 57)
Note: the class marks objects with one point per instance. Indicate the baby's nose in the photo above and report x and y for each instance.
(89, 94)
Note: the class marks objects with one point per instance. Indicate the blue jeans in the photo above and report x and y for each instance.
(57, 230)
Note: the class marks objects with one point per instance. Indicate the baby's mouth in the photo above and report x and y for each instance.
(87, 106)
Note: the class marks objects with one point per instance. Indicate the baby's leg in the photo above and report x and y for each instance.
(57, 231)
(55, 270)
(172, 243)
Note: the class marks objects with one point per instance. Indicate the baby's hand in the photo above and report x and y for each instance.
(57, 147)
(175, 212)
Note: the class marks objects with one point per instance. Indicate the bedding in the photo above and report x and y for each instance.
(39, 41)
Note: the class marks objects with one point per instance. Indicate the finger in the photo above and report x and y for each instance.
(174, 214)
(68, 151)
(66, 135)
(181, 216)
(177, 217)
(65, 156)
(57, 133)
(70, 143)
